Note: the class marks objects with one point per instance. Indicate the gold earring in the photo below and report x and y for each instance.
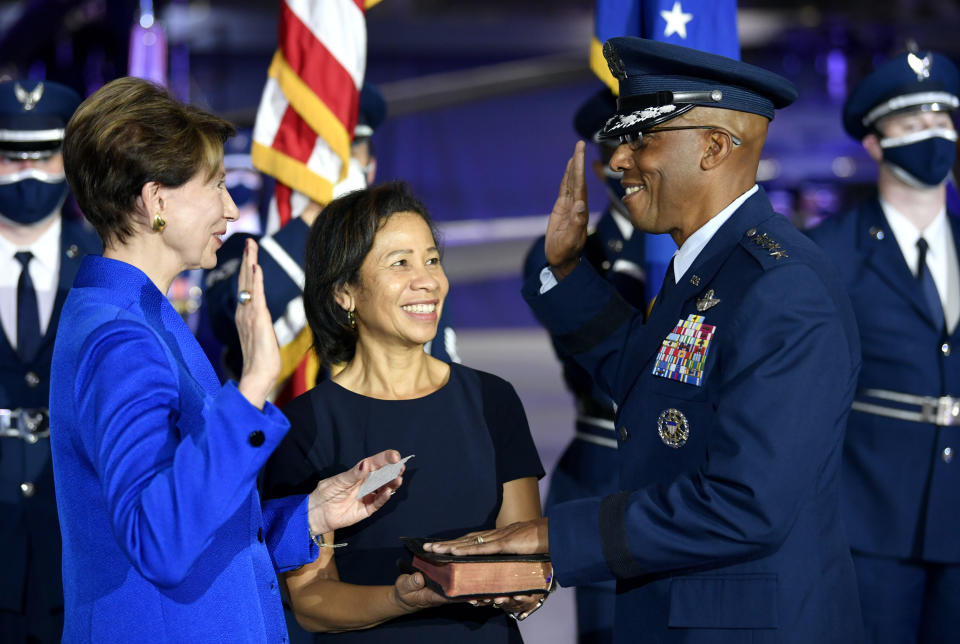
(352, 319)
(158, 223)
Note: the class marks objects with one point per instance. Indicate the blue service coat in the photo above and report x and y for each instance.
(164, 536)
(29, 531)
(901, 493)
(736, 535)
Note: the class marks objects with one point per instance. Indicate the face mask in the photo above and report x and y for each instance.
(29, 195)
(355, 180)
(921, 159)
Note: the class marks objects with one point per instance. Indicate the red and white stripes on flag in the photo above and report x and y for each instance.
(309, 105)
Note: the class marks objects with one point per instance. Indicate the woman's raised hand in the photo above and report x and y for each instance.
(258, 342)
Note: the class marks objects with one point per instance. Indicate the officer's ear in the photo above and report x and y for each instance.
(871, 143)
(719, 146)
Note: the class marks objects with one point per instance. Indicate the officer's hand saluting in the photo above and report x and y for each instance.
(567, 228)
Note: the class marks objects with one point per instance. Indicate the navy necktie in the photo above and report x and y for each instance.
(668, 283)
(927, 285)
(28, 315)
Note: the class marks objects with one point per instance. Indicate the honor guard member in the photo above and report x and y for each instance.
(732, 398)
(588, 466)
(39, 255)
(897, 253)
(281, 256)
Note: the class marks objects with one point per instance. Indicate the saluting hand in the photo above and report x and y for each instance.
(567, 228)
(258, 342)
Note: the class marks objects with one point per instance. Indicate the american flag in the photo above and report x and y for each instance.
(309, 105)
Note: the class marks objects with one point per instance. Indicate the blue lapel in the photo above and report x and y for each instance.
(884, 257)
(75, 243)
(665, 314)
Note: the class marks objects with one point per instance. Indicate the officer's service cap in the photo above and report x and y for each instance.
(594, 113)
(907, 82)
(660, 81)
(33, 116)
(373, 111)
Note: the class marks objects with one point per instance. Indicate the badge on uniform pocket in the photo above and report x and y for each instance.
(683, 353)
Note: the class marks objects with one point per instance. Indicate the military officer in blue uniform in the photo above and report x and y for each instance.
(897, 253)
(732, 398)
(588, 466)
(39, 254)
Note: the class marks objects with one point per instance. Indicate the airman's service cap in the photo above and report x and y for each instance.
(910, 81)
(33, 116)
(660, 81)
(373, 111)
(594, 113)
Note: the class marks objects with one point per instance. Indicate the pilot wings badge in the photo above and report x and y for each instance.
(708, 301)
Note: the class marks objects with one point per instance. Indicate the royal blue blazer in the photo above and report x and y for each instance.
(155, 464)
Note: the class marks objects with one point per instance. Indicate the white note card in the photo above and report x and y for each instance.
(381, 477)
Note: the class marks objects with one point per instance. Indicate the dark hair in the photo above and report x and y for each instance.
(128, 133)
(339, 241)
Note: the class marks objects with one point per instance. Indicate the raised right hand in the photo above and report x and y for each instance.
(412, 594)
(258, 342)
(567, 228)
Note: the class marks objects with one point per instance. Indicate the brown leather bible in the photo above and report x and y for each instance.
(480, 575)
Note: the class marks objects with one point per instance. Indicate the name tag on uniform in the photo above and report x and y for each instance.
(683, 353)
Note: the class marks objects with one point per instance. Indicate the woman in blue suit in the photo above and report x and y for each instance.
(164, 535)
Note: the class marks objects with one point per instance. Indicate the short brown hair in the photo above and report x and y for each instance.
(128, 133)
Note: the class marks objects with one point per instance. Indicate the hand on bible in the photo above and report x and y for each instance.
(567, 228)
(522, 538)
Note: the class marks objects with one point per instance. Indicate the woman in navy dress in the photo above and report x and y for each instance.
(164, 535)
(374, 292)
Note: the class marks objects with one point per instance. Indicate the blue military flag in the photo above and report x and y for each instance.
(707, 25)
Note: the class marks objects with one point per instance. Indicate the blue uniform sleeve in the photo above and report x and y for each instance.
(167, 488)
(789, 374)
(513, 444)
(587, 318)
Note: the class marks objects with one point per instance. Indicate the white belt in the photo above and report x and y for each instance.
(28, 424)
(940, 410)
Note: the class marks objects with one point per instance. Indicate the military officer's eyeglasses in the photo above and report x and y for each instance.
(634, 140)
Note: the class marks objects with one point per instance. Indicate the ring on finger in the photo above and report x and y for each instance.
(479, 539)
(244, 296)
